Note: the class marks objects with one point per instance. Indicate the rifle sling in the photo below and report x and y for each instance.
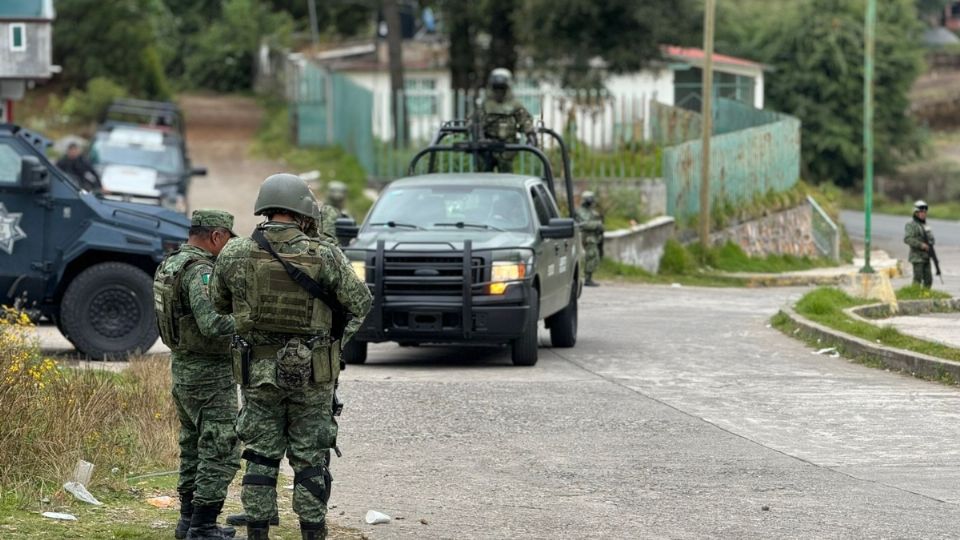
(297, 275)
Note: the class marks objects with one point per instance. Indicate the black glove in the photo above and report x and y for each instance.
(532, 139)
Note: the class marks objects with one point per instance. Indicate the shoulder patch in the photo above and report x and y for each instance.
(206, 278)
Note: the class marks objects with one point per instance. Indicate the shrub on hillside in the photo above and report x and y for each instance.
(87, 106)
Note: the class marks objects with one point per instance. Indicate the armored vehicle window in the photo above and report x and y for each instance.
(548, 201)
(9, 165)
(540, 206)
(433, 207)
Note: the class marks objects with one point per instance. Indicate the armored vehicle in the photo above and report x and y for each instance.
(469, 257)
(73, 258)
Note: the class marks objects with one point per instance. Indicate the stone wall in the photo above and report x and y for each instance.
(640, 245)
(789, 232)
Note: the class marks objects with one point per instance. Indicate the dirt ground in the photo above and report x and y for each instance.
(220, 130)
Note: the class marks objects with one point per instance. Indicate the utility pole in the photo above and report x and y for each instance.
(314, 25)
(869, 34)
(391, 15)
(706, 113)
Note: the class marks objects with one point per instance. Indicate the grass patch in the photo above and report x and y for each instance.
(274, 140)
(616, 271)
(917, 292)
(826, 306)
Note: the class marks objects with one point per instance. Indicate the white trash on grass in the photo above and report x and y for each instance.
(58, 515)
(79, 491)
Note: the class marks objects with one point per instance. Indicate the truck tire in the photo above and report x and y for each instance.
(355, 352)
(107, 311)
(524, 348)
(563, 324)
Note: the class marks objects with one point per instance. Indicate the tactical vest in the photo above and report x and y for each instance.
(499, 121)
(178, 326)
(277, 303)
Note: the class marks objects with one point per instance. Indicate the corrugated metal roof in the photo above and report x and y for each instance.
(26, 9)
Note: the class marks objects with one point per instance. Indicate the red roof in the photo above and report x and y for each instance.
(684, 53)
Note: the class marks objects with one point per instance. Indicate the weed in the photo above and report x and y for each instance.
(917, 292)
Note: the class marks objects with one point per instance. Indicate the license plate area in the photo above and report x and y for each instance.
(426, 320)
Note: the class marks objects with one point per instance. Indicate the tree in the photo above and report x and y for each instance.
(500, 15)
(566, 35)
(818, 77)
(114, 40)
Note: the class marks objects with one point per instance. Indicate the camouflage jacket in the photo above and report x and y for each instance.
(503, 121)
(591, 223)
(193, 368)
(914, 237)
(233, 283)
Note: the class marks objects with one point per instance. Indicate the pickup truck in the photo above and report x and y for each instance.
(468, 257)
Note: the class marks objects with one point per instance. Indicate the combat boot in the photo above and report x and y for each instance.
(258, 530)
(313, 530)
(186, 513)
(240, 520)
(590, 282)
(203, 525)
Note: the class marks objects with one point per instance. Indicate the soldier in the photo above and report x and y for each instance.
(296, 301)
(919, 237)
(203, 387)
(337, 197)
(77, 166)
(502, 117)
(591, 223)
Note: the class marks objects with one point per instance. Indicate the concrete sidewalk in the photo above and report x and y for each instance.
(833, 275)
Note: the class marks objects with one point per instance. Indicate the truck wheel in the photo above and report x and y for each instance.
(108, 311)
(524, 348)
(355, 352)
(563, 324)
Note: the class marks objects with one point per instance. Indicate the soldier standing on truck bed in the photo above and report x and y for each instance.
(203, 387)
(296, 301)
(591, 223)
(501, 118)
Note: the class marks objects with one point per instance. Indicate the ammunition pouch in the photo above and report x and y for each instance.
(302, 361)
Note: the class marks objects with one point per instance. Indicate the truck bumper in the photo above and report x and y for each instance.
(444, 323)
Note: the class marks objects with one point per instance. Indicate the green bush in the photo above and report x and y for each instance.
(86, 106)
(677, 260)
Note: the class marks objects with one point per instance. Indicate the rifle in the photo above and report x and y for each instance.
(933, 254)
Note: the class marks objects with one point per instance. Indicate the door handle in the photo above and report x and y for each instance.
(556, 249)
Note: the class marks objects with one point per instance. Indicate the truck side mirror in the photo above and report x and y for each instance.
(347, 230)
(560, 228)
(198, 171)
(33, 174)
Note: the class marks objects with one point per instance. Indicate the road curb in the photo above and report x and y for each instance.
(914, 363)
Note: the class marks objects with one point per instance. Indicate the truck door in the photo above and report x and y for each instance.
(22, 222)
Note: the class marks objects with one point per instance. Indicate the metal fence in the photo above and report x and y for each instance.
(826, 234)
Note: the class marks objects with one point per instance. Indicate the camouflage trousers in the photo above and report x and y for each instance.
(923, 274)
(209, 450)
(300, 423)
(592, 259)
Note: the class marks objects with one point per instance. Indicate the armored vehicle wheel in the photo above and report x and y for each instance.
(355, 352)
(108, 311)
(563, 324)
(524, 348)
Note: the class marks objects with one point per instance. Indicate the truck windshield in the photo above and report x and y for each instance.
(436, 207)
(164, 159)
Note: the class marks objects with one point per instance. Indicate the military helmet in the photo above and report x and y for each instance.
(920, 205)
(588, 197)
(286, 192)
(336, 191)
(500, 78)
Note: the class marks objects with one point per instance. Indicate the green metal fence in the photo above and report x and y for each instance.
(752, 153)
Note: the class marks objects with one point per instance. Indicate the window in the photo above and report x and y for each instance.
(421, 96)
(444, 206)
(548, 201)
(9, 165)
(540, 205)
(18, 37)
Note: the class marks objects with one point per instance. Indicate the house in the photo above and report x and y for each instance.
(26, 48)
(602, 117)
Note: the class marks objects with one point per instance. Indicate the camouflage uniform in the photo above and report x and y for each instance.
(203, 389)
(327, 224)
(917, 233)
(288, 378)
(591, 224)
(501, 120)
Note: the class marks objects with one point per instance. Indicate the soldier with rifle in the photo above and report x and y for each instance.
(919, 237)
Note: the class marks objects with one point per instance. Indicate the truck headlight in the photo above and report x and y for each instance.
(503, 273)
(360, 269)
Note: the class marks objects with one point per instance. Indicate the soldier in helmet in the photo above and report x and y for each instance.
(591, 223)
(296, 301)
(333, 209)
(502, 118)
(337, 197)
(919, 237)
(203, 388)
